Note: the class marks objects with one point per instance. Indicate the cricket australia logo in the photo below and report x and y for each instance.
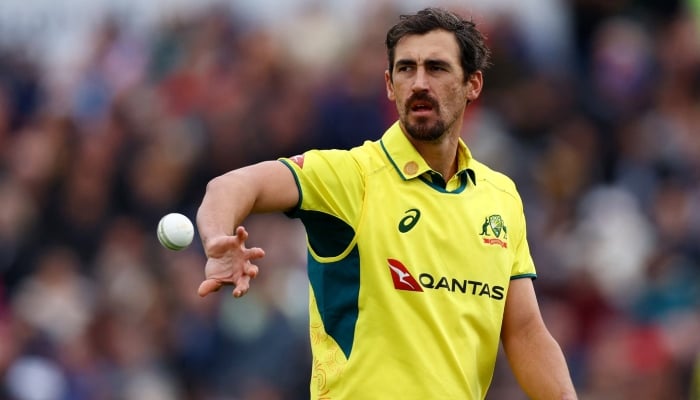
(497, 228)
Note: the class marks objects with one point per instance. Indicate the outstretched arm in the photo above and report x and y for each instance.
(534, 356)
(265, 187)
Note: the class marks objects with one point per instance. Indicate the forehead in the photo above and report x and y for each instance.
(437, 44)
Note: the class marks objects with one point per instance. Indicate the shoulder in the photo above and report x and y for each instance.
(333, 164)
(362, 153)
(494, 180)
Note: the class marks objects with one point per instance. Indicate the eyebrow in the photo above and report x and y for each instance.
(404, 62)
(434, 62)
(437, 63)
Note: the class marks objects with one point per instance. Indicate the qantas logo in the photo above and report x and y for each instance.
(403, 280)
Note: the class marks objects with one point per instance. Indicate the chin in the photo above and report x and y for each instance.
(424, 128)
(425, 132)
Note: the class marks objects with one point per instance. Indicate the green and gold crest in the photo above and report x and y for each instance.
(495, 222)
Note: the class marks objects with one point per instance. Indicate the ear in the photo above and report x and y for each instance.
(389, 86)
(475, 83)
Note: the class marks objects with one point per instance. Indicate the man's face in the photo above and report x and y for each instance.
(428, 85)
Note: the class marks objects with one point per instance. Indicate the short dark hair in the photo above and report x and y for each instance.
(474, 53)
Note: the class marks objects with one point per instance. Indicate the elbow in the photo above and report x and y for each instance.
(215, 184)
(214, 192)
(222, 185)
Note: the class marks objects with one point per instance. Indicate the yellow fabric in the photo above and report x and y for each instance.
(461, 245)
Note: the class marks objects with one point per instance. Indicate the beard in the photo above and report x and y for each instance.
(423, 128)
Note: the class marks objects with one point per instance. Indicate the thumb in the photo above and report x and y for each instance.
(208, 286)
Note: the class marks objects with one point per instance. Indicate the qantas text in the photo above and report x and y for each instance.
(475, 288)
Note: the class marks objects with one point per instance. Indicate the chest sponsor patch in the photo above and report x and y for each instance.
(403, 280)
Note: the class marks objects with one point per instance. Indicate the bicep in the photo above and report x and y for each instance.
(272, 184)
(522, 314)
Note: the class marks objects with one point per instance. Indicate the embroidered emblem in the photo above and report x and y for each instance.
(497, 227)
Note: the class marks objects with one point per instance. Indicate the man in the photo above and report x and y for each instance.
(418, 260)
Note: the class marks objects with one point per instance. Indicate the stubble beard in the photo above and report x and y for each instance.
(424, 130)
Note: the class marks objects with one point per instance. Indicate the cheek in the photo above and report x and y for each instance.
(456, 97)
(400, 96)
(460, 92)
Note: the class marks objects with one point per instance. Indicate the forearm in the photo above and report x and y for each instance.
(225, 205)
(539, 365)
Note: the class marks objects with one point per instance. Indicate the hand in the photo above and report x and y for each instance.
(228, 262)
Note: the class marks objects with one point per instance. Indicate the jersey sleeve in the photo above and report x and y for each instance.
(330, 182)
(523, 265)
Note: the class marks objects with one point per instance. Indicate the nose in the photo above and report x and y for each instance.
(420, 82)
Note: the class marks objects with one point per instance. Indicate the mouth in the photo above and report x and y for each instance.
(421, 107)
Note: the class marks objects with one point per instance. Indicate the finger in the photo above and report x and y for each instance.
(254, 253)
(208, 286)
(241, 234)
(242, 286)
(251, 270)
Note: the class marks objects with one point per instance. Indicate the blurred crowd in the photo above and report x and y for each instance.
(602, 137)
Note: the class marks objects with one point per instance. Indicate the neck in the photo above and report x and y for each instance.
(441, 155)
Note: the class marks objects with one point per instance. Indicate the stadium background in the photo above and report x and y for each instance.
(115, 113)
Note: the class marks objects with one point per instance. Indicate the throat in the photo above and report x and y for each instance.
(441, 159)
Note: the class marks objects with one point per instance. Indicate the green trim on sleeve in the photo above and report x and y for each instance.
(292, 213)
(521, 276)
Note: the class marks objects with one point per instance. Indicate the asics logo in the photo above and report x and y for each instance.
(403, 280)
(410, 220)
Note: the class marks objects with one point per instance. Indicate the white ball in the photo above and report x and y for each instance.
(175, 231)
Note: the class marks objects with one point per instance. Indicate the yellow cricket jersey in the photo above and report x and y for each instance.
(408, 273)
